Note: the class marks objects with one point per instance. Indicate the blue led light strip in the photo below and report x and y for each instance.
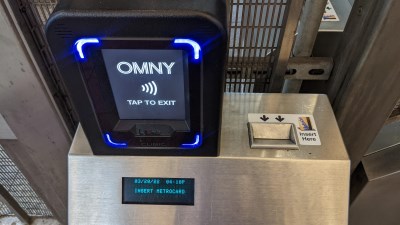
(81, 42)
(107, 139)
(197, 142)
(196, 47)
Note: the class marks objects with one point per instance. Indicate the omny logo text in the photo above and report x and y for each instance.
(145, 67)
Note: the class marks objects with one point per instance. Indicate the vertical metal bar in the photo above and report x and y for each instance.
(228, 76)
(260, 59)
(245, 25)
(259, 85)
(249, 42)
(232, 34)
(235, 37)
(273, 47)
(310, 20)
(259, 42)
(242, 43)
(10, 202)
(256, 42)
(292, 86)
(271, 35)
(370, 89)
(286, 39)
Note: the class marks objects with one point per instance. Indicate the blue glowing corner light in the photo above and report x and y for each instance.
(83, 41)
(196, 47)
(196, 143)
(111, 143)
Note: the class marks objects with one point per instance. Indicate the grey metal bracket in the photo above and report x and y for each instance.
(309, 68)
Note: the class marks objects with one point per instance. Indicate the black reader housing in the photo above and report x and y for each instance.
(145, 76)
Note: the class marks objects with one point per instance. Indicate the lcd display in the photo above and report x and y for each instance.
(148, 84)
(158, 191)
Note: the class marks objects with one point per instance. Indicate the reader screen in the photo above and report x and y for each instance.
(158, 191)
(147, 83)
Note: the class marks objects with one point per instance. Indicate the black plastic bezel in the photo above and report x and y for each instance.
(95, 78)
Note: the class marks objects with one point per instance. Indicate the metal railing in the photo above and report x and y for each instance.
(254, 28)
(15, 183)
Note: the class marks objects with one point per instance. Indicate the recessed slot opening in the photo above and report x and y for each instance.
(272, 136)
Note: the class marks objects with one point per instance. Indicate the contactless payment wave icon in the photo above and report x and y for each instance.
(150, 88)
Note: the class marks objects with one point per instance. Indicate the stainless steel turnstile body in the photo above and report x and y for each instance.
(243, 186)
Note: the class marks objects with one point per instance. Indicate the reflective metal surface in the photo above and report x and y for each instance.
(354, 88)
(376, 181)
(388, 136)
(234, 135)
(242, 186)
(375, 189)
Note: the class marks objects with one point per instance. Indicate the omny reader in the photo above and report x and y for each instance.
(144, 76)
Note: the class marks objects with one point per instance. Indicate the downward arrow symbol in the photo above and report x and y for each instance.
(279, 118)
(264, 118)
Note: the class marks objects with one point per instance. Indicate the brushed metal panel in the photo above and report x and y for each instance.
(382, 163)
(234, 140)
(377, 200)
(388, 136)
(241, 186)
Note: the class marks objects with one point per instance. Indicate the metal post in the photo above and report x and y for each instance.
(286, 39)
(364, 86)
(310, 21)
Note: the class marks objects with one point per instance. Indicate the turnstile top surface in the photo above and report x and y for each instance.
(234, 139)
